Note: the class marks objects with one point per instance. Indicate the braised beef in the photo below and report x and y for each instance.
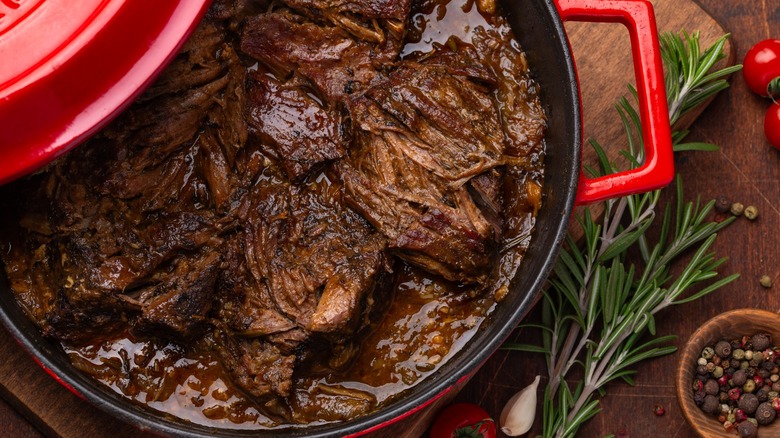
(299, 131)
(258, 207)
(420, 137)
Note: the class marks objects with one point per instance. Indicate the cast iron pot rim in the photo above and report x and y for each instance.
(424, 393)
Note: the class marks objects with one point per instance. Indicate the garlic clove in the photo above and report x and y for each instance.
(518, 414)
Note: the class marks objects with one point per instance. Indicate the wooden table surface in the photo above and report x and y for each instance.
(747, 170)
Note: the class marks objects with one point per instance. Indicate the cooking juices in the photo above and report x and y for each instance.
(313, 209)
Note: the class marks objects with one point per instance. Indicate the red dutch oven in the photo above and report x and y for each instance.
(538, 25)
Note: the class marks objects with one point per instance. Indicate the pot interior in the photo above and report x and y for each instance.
(540, 32)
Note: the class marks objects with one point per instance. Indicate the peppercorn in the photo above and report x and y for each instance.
(774, 377)
(771, 395)
(762, 394)
(738, 354)
(764, 374)
(711, 387)
(765, 413)
(707, 352)
(751, 212)
(744, 365)
(734, 393)
(698, 397)
(759, 381)
(717, 372)
(723, 397)
(711, 405)
(737, 209)
(768, 365)
(740, 415)
(776, 404)
(758, 357)
(749, 386)
(701, 370)
(776, 386)
(748, 403)
(722, 204)
(765, 281)
(739, 378)
(716, 359)
(747, 429)
(701, 361)
(734, 364)
(710, 367)
(748, 354)
(723, 349)
(659, 410)
(761, 341)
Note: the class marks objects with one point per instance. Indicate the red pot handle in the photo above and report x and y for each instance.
(658, 167)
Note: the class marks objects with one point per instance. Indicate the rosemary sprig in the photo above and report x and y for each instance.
(600, 306)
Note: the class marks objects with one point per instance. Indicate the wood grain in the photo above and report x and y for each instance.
(603, 66)
(746, 169)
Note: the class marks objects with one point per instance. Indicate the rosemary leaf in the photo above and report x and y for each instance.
(599, 308)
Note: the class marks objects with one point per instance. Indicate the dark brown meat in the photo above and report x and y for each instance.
(299, 131)
(321, 262)
(421, 136)
(328, 56)
(256, 367)
(177, 308)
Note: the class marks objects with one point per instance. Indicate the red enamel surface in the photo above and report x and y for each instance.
(658, 167)
(69, 67)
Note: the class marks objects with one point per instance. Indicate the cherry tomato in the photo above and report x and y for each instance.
(463, 420)
(772, 125)
(762, 68)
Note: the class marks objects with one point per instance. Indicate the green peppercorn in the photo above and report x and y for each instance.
(765, 413)
(772, 395)
(744, 365)
(761, 341)
(751, 212)
(748, 354)
(738, 354)
(749, 386)
(758, 357)
(701, 361)
(765, 281)
(707, 352)
(717, 372)
(737, 209)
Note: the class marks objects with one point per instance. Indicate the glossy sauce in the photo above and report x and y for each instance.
(428, 321)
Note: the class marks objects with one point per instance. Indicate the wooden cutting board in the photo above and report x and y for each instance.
(602, 53)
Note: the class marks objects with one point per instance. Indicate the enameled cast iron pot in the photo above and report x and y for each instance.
(538, 25)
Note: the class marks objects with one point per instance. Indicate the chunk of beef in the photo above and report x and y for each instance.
(177, 308)
(321, 262)
(255, 366)
(421, 136)
(328, 56)
(299, 131)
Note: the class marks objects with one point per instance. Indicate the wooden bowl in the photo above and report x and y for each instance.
(728, 325)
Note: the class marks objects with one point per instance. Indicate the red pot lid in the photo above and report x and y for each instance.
(68, 67)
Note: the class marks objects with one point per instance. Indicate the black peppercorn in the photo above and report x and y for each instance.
(765, 413)
(701, 370)
(711, 387)
(747, 429)
(768, 365)
(698, 397)
(722, 205)
(748, 403)
(723, 397)
(734, 364)
(761, 341)
(763, 394)
(711, 405)
(739, 378)
(723, 349)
